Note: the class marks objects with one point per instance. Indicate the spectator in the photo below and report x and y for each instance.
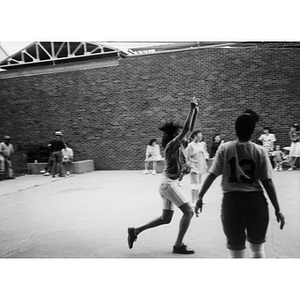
(267, 139)
(67, 158)
(56, 145)
(152, 154)
(295, 145)
(278, 158)
(196, 155)
(6, 150)
(215, 145)
(48, 167)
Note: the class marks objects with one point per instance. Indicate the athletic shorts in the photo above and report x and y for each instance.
(171, 194)
(244, 217)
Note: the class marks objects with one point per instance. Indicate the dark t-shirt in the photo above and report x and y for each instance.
(174, 159)
(56, 145)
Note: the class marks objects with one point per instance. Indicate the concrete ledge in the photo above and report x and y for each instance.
(160, 165)
(83, 166)
(77, 167)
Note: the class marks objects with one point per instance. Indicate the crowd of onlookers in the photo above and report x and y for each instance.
(279, 156)
(61, 157)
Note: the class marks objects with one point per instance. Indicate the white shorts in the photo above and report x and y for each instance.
(195, 180)
(171, 194)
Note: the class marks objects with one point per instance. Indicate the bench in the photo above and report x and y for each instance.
(160, 165)
(77, 167)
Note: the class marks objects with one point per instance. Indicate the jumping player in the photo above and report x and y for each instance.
(244, 213)
(169, 190)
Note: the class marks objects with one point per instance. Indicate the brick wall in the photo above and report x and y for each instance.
(110, 114)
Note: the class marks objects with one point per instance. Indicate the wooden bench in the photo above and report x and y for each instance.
(77, 167)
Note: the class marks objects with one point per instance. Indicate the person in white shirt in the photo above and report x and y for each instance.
(152, 155)
(67, 158)
(197, 155)
(268, 139)
(245, 168)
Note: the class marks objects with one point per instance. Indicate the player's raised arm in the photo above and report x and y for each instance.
(191, 119)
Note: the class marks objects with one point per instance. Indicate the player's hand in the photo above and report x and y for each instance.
(280, 219)
(194, 103)
(199, 205)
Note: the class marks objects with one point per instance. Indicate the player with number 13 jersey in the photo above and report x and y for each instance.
(243, 165)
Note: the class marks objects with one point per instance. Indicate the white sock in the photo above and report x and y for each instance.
(236, 253)
(257, 251)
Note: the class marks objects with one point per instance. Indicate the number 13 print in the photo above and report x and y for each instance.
(248, 168)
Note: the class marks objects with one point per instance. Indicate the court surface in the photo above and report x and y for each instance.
(87, 215)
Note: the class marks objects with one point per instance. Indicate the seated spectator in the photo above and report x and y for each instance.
(67, 158)
(152, 154)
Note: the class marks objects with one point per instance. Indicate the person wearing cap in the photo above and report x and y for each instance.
(6, 150)
(56, 145)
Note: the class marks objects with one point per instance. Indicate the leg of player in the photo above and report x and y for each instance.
(257, 251)
(165, 218)
(236, 253)
(184, 224)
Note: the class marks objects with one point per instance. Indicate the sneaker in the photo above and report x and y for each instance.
(179, 183)
(153, 172)
(145, 172)
(47, 174)
(183, 249)
(290, 169)
(68, 172)
(131, 237)
(43, 171)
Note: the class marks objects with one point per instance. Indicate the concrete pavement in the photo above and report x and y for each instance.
(87, 215)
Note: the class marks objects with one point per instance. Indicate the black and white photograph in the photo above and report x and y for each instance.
(164, 152)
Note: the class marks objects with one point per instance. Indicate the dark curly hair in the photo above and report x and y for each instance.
(170, 131)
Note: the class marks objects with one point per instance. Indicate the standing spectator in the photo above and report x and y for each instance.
(6, 150)
(56, 145)
(268, 139)
(152, 154)
(215, 145)
(295, 145)
(68, 156)
(278, 158)
(196, 155)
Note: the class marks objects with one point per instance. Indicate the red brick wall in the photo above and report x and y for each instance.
(110, 114)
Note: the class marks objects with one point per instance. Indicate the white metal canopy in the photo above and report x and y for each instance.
(45, 53)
